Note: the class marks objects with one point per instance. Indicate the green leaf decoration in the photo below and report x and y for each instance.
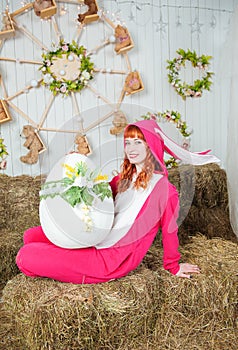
(72, 192)
(201, 62)
(63, 86)
(3, 149)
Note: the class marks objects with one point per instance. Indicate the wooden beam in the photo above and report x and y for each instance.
(19, 111)
(22, 10)
(31, 36)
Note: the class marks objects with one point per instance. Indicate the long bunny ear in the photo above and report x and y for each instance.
(186, 157)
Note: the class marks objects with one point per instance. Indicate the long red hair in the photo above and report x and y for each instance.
(128, 169)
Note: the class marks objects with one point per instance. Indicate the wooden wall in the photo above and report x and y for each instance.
(158, 29)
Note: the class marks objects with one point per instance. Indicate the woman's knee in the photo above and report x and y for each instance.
(34, 234)
(23, 260)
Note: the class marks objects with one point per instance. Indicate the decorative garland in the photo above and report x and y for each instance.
(80, 187)
(182, 88)
(175, 118)
(3, 155)
(68, 53)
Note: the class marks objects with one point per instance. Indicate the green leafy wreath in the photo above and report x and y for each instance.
(62, 85)
(182, 88)
(175, 118)
(3, 154)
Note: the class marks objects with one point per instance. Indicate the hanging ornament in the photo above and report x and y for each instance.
(131, 17)
(160, 26)
(83, 146)
(213, 22)
(178, 22)
(196, 26)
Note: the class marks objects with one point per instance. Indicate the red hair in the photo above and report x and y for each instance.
(128, 169)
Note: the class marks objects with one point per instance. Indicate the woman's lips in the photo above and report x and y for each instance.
(132, 156)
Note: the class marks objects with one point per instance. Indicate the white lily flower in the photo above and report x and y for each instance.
(80, 181)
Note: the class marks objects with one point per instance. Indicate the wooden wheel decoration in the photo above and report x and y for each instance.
(68, 68)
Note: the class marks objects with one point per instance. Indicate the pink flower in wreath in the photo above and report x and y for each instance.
(63, 88)
(198, 94)
(3, 164)
(65, 47)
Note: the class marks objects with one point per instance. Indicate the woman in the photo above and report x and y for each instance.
(145, 201)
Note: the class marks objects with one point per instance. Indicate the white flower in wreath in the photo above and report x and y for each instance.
(48, 79)
(85, 75)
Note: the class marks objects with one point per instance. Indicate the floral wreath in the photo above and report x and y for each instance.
(182, 88)
(80, 187)
(175, 118)
(61, 85)
(3, 155)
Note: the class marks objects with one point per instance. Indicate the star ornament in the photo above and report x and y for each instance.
(160, 25)
(196, 26)
(131, 17)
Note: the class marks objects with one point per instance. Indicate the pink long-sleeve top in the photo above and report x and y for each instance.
(160, 210)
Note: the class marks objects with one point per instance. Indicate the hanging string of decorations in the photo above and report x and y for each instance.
(199, 85)
(175, 118)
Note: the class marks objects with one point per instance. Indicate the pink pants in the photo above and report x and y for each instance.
(41, 258)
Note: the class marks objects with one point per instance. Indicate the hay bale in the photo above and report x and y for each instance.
(209, 182)
(211, 222)
(208, 211)
(148, 309)
(22, 202)
(9, 246)
(3, 194)
(19, 210)
(46, 314)
(199, 313)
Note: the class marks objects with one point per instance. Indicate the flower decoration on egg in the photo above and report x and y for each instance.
(67, 68)
(80, 187)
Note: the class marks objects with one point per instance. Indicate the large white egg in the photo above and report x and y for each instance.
(62, 223)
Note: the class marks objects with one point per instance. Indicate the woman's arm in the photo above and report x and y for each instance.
(171, 255)
(170, 239)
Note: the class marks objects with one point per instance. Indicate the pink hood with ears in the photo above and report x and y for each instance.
(154, 141)
(158, 142)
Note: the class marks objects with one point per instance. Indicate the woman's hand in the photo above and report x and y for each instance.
(186, 269)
